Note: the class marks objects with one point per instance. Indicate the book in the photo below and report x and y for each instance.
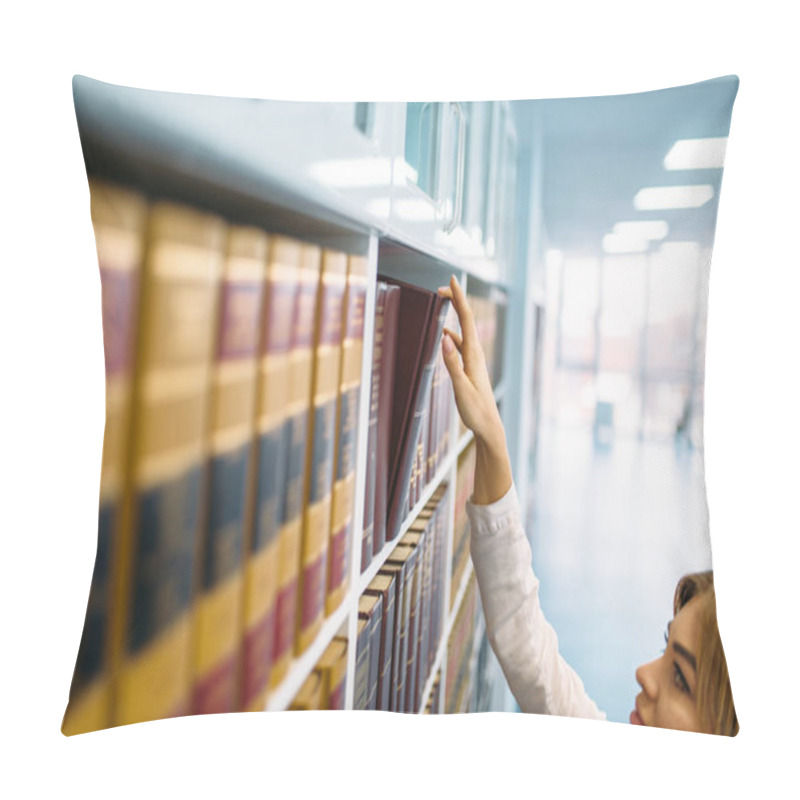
(310, 697)
(397, 679)
(217, 606)
(368, 535)
(407, 558)
(384, 586)
(420, 321)
(387, 322)
(155, 562)
(119, 217)
(370, 609)
(268, 479)
(465, 480)
(332, 666)
(361, 677)
(346, 430)
(320, 448)
(304, 312)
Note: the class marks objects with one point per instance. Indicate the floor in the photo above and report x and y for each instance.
(613, 527)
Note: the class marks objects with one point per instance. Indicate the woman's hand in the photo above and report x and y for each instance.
(466, 364)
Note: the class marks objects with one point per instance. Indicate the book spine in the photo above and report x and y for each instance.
(373, 617)
(319, 472)
(156, 559)
(387, 626)
(218, 607)
(385, 410)
(268, 478)
(332, 666)
(119, 218)
(346, 434)
(399, 649)
(311, 695)
(297, 423)
(361, 686)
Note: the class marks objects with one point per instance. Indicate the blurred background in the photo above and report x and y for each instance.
(629, 192)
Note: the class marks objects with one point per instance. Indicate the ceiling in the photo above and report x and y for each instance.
(599, 151)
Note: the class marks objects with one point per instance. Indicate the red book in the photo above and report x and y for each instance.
(368, 527)
(419, 328)
(385, 412)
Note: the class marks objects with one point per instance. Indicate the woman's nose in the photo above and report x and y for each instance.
(645, 677)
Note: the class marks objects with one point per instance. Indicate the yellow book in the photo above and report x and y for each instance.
(155, 563)
(119, 217)
(217, 609)
(319, 469)
(332, 666)
(346, 431)
(310, 697)
(266, 509)
(298, 419)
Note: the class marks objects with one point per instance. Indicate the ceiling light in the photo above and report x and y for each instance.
(697, 154)
(659, 197)
(612, 243)
(644, 229)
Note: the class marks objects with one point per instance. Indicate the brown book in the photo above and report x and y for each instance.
(370, 608)
(368, 525)
(383, 585)
(332, 666)
(419, 328)
(385, 414)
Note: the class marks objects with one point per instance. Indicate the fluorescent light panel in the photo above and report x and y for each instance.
(697, 154)
(642, 229)
(661, 197)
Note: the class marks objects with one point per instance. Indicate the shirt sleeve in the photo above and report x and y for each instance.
(525, 643)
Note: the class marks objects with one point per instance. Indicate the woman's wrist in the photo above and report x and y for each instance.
(492, 467)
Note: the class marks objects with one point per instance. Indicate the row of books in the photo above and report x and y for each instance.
(488, 314)
(400, 619)
(233, 369)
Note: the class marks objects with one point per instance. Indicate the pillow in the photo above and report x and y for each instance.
(285, 517)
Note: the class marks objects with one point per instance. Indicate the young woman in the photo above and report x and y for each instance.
(687, 688)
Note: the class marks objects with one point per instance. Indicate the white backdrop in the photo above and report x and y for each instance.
(51, 417)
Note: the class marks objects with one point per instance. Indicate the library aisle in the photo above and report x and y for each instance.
(612, 530)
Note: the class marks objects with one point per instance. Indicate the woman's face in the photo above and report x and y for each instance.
(669, 684)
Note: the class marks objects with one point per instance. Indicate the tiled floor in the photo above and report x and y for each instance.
(612, 530)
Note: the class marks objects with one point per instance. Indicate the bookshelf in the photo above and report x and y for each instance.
(247, 162)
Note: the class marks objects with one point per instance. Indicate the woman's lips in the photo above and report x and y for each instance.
(635, 719)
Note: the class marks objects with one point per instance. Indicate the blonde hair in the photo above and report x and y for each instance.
(714, 696)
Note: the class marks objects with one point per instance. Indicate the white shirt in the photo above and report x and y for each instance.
(524, 642)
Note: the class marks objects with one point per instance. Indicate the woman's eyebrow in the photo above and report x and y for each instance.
(681, 650)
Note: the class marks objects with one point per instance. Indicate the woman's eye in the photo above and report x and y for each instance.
(679, 680)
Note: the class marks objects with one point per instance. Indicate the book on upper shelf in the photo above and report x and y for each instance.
(217, 604)
(420, 321)
(301, 355)
(266, 523)
(318, 490)
(346, 433)
(155, 564)
(386, 329)
(119, 218)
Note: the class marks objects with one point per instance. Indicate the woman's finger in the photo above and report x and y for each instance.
(462, 307)
(457, 340)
